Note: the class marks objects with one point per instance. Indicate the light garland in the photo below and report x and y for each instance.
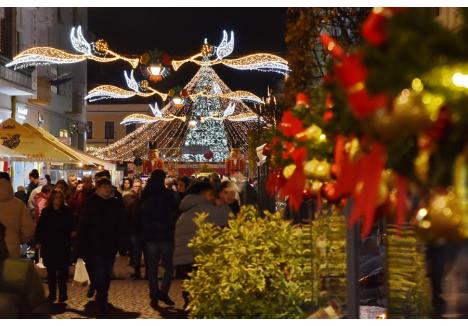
(259, 61)
(46, 55)
(236, 96)
(144, 118)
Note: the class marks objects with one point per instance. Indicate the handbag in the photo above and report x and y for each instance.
(81, 275)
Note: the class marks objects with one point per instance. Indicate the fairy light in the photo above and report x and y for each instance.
(460, 80)
(98, 51)
(259, 61)
(144, 118)
(236, 96)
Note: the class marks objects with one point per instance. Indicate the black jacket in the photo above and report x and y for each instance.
(102, 229)
(53, 232)
(158, 215)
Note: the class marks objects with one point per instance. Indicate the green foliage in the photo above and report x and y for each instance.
(254, 268)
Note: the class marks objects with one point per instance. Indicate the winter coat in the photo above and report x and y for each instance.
(102, 228)
(158, 215)
(53, 233)
(186, 228)
(16, 218)
(21, 195)
(21, 291)
(133, 213)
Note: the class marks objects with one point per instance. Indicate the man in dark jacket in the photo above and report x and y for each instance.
(100, 234)
(158, 215)
(33, 181)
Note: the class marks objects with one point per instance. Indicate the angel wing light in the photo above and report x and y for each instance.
(155, 110)
(42, 55)
(258, 61)
(229, 110)
(145, 119)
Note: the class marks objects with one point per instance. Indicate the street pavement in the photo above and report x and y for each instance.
(128, 297)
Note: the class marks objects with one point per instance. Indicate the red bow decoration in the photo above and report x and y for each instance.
(368, 170)
(293, 187)
(290, 125)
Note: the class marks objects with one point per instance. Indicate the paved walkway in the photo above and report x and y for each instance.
(129, 298)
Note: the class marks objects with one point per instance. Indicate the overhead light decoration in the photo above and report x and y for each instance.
(98, 51)
(145, 119)
(178, 102)
(109, 91)
(236, 96)
(258, 61)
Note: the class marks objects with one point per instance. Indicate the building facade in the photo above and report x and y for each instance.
(103, 122)
(51, 97)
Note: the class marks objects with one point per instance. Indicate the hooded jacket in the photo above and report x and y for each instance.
(186, 228)
(16, 218)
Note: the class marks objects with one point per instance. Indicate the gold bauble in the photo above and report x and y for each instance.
(315, 187)
(384, 124)
(322, 171)
(289, 170)
(352, 147)
(410, 112)
(442, 218)
(309, 167)
(312, 133)
(421, 165)
(101, 45)
(383, 193)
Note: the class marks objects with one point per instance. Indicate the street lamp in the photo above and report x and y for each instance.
(155, 72)
(178, 102)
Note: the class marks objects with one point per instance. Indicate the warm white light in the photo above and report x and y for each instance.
(460, 80)
(80, 165)
(178, 101)
(144, 119)
(155, 70)
(192, 124)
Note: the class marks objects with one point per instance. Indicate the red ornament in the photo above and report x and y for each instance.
(290, 125)
(302, 99)
(208, 155)
(328, 191)
(166, 59)
(351, 71)
(307, 194)
(374, 29)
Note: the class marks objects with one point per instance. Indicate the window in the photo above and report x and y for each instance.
(109, 130)
(130, 128)
(89, 132)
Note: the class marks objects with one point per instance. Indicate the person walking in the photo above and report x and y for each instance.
(21, 194)
(158, 215)
(33, 181)
(200, 199)
(126, 186)
(15, 217)
(102, 228)
(54, 234)
(21, 292)
(132, 207)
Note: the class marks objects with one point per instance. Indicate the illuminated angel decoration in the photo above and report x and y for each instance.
(242, 117)
(235, 95)
(98, 51)
(258, 61)
(137, 89)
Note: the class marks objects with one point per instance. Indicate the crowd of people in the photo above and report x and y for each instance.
(150, 220)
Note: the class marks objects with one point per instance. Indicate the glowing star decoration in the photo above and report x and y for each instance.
(98, 51)
(110, 91)
(259, 61)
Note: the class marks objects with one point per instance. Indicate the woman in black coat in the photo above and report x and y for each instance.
(54, 234)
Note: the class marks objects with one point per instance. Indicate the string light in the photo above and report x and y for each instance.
(46, 55)
(460, 80)
(236, 95)
(143, 118)
(259, 61)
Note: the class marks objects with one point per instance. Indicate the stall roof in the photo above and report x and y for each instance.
(6, 152)
(23, 140)
(82, 157)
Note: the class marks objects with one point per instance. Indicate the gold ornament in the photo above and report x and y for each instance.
(421, 165)
(315, 187)
(352, 147)
(289, 170)
(410, 112)
(310, 167)
(206, 50)
(442, 219)
(383, 193)
(312, 133)
(101, 45)
(322, 171)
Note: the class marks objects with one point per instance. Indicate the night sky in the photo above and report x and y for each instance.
(180, 32)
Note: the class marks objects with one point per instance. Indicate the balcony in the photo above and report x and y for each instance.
(14, 83)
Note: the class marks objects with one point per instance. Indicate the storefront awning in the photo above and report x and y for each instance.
(81, 156)
(6, 153)
(36, 149)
